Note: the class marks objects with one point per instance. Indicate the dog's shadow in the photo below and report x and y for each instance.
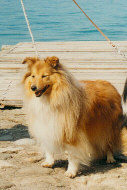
(19, 131)
(96, 167)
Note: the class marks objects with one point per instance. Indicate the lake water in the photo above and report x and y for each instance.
(61, 20)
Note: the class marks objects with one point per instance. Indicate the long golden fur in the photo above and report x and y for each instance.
(82, 117)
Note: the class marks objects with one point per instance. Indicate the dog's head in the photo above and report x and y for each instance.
(41, 75)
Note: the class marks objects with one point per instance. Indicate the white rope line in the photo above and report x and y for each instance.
(29, 28)
(9, 85)
(110, 42)
(8, 51)
(120, 52)
(36, 51)
(4, 94)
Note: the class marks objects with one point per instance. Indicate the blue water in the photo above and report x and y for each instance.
(61, 20)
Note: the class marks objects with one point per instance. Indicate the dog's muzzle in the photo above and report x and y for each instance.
(39, 92)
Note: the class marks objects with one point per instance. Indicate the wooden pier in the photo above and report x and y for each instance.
(90, 60)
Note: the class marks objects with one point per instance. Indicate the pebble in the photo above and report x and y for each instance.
(25, 141)
(10, 149)
(5, 164)
(33, 153)
(33, 159)
(35, 170)
(5, 156)
(82, 180)
(5, 184)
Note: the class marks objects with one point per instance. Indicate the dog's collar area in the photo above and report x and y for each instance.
(38, 93)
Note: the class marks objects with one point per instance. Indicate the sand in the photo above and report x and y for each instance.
(20, 163)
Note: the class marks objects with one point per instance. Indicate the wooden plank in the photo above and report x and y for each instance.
(69, 59)
(11, 69)
(6, 60)
(68, 48)
(86, 60)
(67, 54)
(13, 96)
(86, 69)
(75, 43)
(69, 65)
(15, 102)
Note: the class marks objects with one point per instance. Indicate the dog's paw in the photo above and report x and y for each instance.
(47, 164)
(70, 174)
(110, 160)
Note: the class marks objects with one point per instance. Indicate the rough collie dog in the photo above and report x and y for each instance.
(81, 117)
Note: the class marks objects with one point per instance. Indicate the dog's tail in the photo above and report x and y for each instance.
(124, 105)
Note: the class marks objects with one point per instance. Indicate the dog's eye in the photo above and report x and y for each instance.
(33, 76)
(43, 76)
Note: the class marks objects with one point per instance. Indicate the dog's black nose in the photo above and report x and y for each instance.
(33, 88)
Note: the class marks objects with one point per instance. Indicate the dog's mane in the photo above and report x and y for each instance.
(67, 96)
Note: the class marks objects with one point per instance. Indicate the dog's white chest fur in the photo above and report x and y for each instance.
(45, 123)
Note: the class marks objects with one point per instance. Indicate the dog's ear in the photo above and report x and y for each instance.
(30, 61)
(25, 76)
(53, 61)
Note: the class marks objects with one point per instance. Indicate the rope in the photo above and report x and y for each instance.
(29, 28)
(4, 95)
(36, 51)
(110, 42)
(2, 105)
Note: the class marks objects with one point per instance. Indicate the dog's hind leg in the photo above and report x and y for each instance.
(49, 161)
(110, 158)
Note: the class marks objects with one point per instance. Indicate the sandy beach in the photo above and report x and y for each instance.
(20, 163)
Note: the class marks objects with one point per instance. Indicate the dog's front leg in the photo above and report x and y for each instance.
(73, 166)
(49, 161)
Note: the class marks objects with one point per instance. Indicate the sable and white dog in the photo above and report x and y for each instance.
(82, 117)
